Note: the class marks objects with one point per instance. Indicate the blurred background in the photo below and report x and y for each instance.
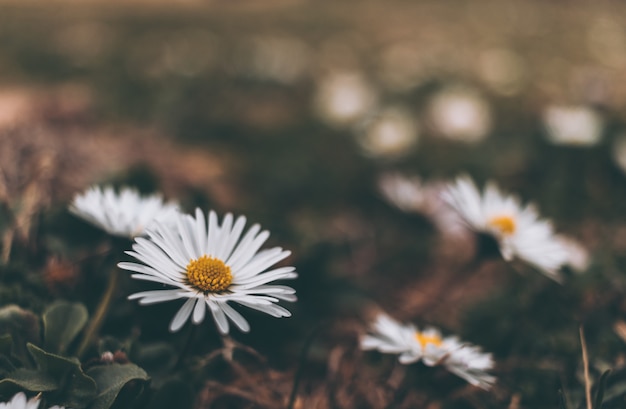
(294, 113)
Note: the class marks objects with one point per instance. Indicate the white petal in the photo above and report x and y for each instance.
(198, 311)
(182, 315)
(218, 317)
(235, 317)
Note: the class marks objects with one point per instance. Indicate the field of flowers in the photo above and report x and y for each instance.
(353, 204)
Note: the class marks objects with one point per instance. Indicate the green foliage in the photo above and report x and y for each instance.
(597, 402)
(62, 322)
(61, 379)
(22, 326)
(111, 379)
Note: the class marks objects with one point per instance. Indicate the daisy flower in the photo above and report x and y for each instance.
(573, 125)
(410, 194)
(519, 231)
(125, 214)
(18, 401)
(462, 359)
(460, 114)
(210, 265)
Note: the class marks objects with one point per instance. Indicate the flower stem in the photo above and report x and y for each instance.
(185, 350)
(303, 355)
(100, 314)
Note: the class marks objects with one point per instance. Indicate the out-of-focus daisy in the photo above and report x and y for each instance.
(578, 256)
(462, 359)
(619, 152)
(125, 214)
(519, 231)
(410, 194)
(210, 266)
(391, 133)
(460, 114)
(573, 125)
(18, 401)
(343, 98)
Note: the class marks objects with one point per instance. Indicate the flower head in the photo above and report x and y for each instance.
(18, 401)
(462, 359)
(209, 266)
(519, 231)
(389, 134)
(412, 195)
(125, 214)
(460, 114)
(573, 125)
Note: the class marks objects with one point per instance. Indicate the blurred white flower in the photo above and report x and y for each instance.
(210, 266)
(619, 152)
(18, 401)
(391, 133)
(578, 257)
(125, 214)
(573, 125)
(343, 98)
(460, 114)
(519, 231)
(410, 194)
(462, 359)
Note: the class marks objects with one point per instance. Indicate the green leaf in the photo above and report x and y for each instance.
(23, 327)
(600, 392)
(615, 390)
(62, 321)
(112, 378)
(30, 380)
(75, 388)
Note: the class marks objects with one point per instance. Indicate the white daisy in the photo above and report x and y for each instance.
(573, 125)
(18, 401)
(125, 214)
(460, 114)
(389, 134)
(210, 266)
(519, 231)
(579, 258)
(410, 194)
(464, 360)
(391, 337)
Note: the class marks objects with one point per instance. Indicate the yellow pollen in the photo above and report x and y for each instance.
(209, 274)
(505, 224)
(428, 339)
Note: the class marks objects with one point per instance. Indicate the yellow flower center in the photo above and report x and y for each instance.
(505, 224)
(428, 339)
(209, 274)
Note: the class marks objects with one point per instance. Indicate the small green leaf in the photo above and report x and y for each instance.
(600, 392)
(31, 380)
(111, 379)
(62, 321)
(23, 327)
(76, 389)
